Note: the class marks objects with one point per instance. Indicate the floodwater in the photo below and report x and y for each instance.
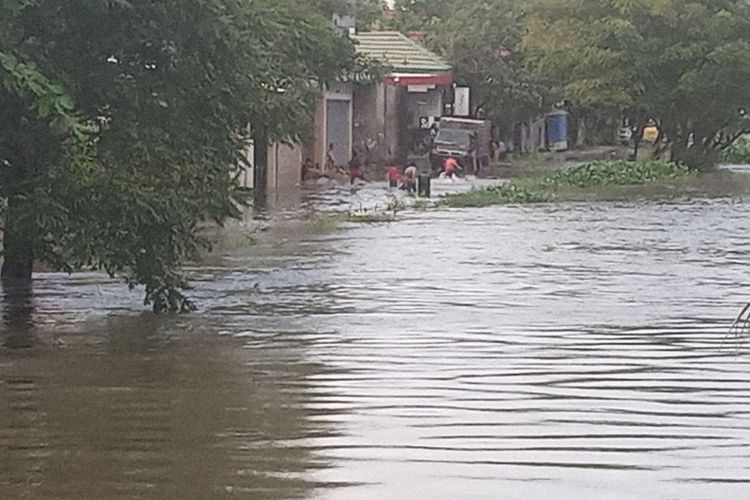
(572, 351)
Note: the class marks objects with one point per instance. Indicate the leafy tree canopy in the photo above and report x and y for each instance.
(421, 14)
(481, 39)
(121, 122)
(368, 13)
(684, 63)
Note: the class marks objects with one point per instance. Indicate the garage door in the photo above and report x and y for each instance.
(338, 129)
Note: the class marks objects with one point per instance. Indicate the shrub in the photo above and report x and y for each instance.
(588, 175)
(738, 153)
(701, 160)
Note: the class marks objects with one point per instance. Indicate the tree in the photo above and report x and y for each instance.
(419, 14)
(368, 13)
(121, 122)
(481, 40)
(684, 63)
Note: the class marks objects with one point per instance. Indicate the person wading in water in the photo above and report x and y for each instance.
(355, 170)
(409, 179)
(451, 167)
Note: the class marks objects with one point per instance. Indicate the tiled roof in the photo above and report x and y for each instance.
(399, 53)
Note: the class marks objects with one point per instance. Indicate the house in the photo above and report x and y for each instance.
(382, 120)
(333, 125)
(283, 167)
(392, 116)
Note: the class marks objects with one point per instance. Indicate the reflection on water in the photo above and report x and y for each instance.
(146, 407)
(17, 315)
(574, 351)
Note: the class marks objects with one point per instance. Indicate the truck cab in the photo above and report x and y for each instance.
(466, 140)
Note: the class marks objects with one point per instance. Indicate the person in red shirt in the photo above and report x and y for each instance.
(393, 176)
(451, 167)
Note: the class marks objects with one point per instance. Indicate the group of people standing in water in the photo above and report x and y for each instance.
(404, 178)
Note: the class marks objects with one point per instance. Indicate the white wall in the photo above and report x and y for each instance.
(284, 166)
(429, 103)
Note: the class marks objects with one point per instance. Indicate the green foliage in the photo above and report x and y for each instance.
(481, 39)
(121, 123)
(586, 176)
(395, 203)
(421, 204)
(618, 173)
(684, 63)
(423, 14)
(368, 13)
(700, 159)
(325, 223)
(523, 191)
(371, 217)
(738, 153)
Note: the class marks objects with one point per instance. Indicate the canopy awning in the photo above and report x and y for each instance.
(409, 79)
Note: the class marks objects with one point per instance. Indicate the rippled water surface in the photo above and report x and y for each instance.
(570, 352)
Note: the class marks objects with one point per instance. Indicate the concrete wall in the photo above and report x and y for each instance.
(424, 103)
(394, 113)
(318, 150)
(378, 113)
(387, 116)
(244, 172)
(284, 166)
(369, 120)
(337, 91)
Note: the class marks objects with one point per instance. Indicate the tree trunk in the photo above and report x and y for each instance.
(18, 315)
(637, 143)
(260, 167)
(581, 133)
(18, 257)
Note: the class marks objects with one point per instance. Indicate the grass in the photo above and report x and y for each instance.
(328, 223)
(421, 204)
(325, 223)
(233, 240)
(533, 159)
(371, 217)
(395, 204)
(738, 153)
(588, 177)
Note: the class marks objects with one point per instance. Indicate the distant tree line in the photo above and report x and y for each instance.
(683, 63)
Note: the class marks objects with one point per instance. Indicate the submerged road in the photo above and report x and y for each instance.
(572, 351)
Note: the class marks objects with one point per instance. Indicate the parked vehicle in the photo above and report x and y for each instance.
(466, 140)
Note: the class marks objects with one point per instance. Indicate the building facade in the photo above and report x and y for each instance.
(380, 120)
(392, 116)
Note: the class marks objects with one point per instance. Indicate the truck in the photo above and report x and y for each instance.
(465, 139)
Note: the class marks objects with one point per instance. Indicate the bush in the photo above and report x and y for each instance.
(701, 160)
(589, 175)
(738, 153)
(619, 173)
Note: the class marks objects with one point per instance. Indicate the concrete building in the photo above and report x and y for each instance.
(283, 169)
(392, 116)
(381, 120)
(333, 125)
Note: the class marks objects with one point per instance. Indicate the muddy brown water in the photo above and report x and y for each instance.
(572, 351)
